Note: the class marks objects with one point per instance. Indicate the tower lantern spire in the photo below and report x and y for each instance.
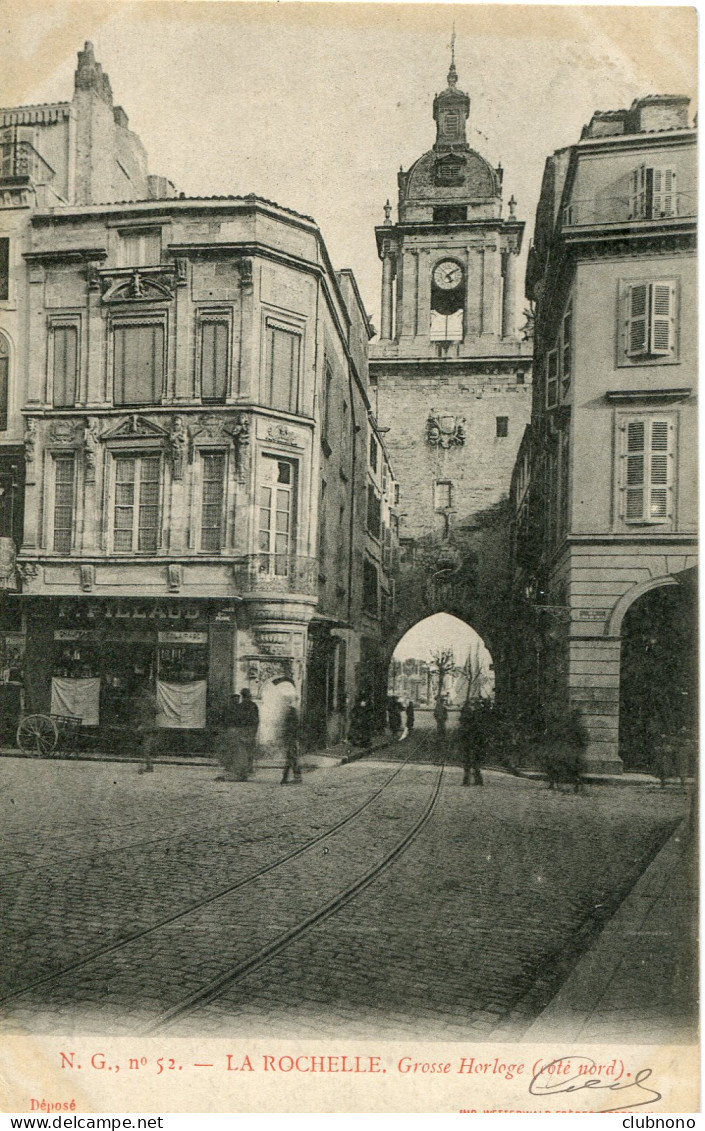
(452, 73)
(451, 109)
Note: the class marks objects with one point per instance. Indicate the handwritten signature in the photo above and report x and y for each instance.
(572, 1074)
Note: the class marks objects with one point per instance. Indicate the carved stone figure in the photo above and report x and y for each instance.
(91, 438)
(30, 439)
(178, 442)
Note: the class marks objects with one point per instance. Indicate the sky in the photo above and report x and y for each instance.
(316, 106)
(438, 632)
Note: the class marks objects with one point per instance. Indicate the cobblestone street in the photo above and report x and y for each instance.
(124, 894)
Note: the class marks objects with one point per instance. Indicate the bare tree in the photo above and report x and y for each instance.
(442, 664)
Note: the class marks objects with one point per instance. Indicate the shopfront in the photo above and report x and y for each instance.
(90, 658)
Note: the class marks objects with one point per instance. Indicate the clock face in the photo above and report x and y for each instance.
(447, 275)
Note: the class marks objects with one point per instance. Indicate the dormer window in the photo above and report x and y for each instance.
(448, 170)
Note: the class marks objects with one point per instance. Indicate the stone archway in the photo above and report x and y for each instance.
(658, 672)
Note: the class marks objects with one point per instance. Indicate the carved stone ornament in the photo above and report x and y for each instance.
(30, 439)
(178, 445)
(174, 578)
(91, 439)
(145, 284)
(28, 571)
(209, 427)
(246, 272)
(181, 271)
(136, 427)
(280, 434)
(87, 577)
(443, 430)
(62, 432)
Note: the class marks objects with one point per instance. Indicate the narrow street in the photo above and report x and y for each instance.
(381, 897)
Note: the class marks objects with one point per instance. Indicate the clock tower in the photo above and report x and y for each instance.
(451, 370)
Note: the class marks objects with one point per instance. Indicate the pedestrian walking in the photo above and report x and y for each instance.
(227, 742)
(249, 725)
(144, 720)
(394, 716)
(291, 737)
(410, 716)
(360, 733)
(471, 749)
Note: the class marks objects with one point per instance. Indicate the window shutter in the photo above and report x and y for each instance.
(660, 471)
(662, 318)
(663, 193)
(635, 460)
(138, 364)
(637, 319)
(552, 379)
(637, 193)
(283, 375)
(214, 361)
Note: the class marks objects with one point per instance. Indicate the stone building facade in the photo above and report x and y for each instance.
(605, 493)
(452, 374)
(192, 381)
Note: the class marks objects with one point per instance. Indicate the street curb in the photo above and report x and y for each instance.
(580, 996)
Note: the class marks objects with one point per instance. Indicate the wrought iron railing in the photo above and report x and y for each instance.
(277, 573)
(621, 209)
(20, 159)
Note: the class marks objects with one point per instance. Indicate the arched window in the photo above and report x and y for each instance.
(4, 380)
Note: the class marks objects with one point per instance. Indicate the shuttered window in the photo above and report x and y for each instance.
(647, 485)
(136, 519)
(65, 366)
(213, 465)
(651, 319)
(653, 193)
(552, 379)
(214, 361)
(138, 364)
(140, 249)
(4, 269)
(567, 348)
(282, 369)
(63, 503)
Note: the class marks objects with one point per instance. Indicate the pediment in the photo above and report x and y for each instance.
(136, 427)
(138, 285)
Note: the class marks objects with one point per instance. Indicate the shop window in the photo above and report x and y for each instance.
(138, 364)
(140, 248)
(501, 427)
(64, 344)
(370, 588)
(214, 361)
(136, 518)
(182, 663)
(653, 193)
(282, 369)
(646, 479)
(4, 381)
(213, 468)
(4, 269)
(374, 511)
(277, 515)
(63, 503)
(650, 320)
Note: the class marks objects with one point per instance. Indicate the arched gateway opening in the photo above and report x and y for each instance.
(658, 684)
(440, 655)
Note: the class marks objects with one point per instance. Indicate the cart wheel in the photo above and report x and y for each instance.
(37, 734)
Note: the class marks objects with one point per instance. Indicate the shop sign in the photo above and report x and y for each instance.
(73, 634)
(220, 617)
(183, 637)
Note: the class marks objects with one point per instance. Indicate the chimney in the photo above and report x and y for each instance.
(89, 75)
(659, 112)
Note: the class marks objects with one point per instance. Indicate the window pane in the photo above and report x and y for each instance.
(4, 391)
(63, 504)
(4, 268)
(149, 505)
(212, 504)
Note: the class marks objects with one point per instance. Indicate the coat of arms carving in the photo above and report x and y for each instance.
(444, 430)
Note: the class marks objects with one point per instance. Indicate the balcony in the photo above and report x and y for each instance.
(276, 573)
(19, 161)
(621, 210)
